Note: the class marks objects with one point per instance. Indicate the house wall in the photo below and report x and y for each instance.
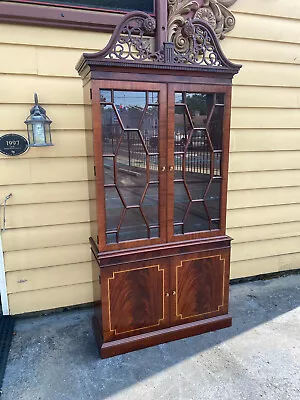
(46, 251)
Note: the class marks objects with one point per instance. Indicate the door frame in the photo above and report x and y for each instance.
(98, 159)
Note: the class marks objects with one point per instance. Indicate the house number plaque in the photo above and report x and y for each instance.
(13, 144)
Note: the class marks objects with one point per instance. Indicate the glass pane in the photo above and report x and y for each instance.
(154, 233)
(215, 128)
(105, 96)
(199, 105)
(212, 199)
(220, 97)
(181, 201)
(183, 128)
(179, 97)
(133, 226)
(149, 128)
(108, 163)
(113, 208)
(178, 229)
(178, 166)
(153, 97)
(150, 204)
(111, 238)
(217, 164)
(215, 224)
(130, 106)
(131, 168)
(111, 129)
(153, 164)
(196, 219)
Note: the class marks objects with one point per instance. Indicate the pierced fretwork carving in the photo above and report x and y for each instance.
(130, 41)
(214, 12)
(192, 43)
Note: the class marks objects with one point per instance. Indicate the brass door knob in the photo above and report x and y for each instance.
(163, 169)
(171, 168)
(173, 293)
(167, 294)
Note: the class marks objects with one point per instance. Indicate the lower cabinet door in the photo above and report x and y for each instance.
(199, 286)
(135, 299)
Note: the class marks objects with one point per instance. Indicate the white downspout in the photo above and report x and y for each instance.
(3, 290)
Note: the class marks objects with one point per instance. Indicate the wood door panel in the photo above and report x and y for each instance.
(200, 288)
(136, 301)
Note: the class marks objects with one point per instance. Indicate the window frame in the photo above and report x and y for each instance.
(35, 13)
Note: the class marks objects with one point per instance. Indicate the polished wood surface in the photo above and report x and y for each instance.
(176, 285)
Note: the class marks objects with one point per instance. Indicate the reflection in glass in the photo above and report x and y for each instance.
(105, 96)
(131, 161)
(149, 205)
(108, 164)
(216, 127)
(152, 97)
(181, 201)
(111, 129)
(149, 129)
(133, 226)
(131, 168)
(113, 208)
(199, 105)
(212, 199)
(130, 106)
(197, 219)
(197, 160)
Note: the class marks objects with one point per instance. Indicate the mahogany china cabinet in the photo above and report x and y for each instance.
(158, 105)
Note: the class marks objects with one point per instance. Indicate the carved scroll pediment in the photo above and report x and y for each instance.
(214, 12)
(192, 43)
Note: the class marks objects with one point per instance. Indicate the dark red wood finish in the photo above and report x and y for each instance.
(174, 286)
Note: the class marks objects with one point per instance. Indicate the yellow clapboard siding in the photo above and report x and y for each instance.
(53, 37)
(63, 117)
(259, 50)
(264, 232)
(264, 248)
(48, 192)
(265, 118)
(44, 278)
(264, 161)
(46, 299)
(263, 197)
(66, 144)
(263, 215)
(46, 236)
(28, 171)
(52, 90)
(266, 28)
(272, 8)
(11, 56)
(267, 74)
(264, 139)
(241, 269)
(47, 257)
(256, 96)
(264, 179)
(20, 216)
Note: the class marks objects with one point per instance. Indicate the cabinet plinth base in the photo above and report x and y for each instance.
(116, 347)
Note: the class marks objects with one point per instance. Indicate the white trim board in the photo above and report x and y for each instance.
(3, 289)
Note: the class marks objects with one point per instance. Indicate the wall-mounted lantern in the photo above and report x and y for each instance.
(38, 126)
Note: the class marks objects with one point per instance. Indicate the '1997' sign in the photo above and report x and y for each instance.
(13, 144)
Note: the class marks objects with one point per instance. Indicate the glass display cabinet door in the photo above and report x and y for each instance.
(197, 163)
(132, 155)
